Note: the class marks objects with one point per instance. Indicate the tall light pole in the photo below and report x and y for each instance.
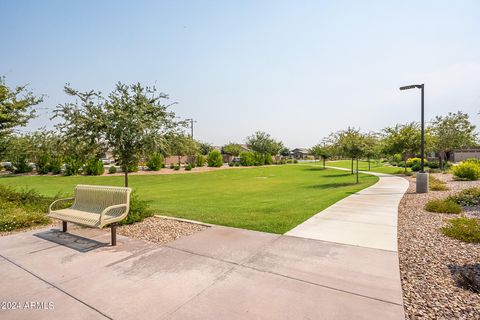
(422, 177)
(191, 125)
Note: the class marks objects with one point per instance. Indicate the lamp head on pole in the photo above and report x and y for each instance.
(413, 86)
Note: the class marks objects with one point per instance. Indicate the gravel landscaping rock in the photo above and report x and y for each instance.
(436, 269)
(160, 231)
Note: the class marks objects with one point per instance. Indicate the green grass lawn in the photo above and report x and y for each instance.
(272, 199)
(363, 165)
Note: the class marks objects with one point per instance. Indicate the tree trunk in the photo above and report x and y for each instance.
(352, 165)
(323, 163)
(440, 157)
(179, 160)
(357, 170)
(405, 166)
(369, 164)
(126, 177)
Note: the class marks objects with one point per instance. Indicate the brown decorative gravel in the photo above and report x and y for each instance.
(434, 267)
(160, 230)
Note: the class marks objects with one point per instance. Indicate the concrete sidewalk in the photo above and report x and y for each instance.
(219, 273)
(367, 218)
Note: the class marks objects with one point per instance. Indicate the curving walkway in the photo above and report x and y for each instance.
(367, 218)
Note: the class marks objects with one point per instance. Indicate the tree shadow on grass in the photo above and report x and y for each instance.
(466, 276)
(331, 185)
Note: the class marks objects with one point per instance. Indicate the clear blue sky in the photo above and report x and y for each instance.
(296, 69)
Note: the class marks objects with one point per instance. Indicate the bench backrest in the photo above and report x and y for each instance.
(97, 198)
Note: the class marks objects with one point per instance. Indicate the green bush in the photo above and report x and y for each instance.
(443, 206)
(434, 164)
(112, 170)
(155, 162)
(55, 165)
(42, 164)
(200, 160)
(237, 164)
(467, 197)
(188, 167)
(22, 165)
(295, 161)
(73, 166)
(131, 168)
(139, 210)
(259, 159)
(464, 229)
(22, 209)
(214, 159)
(415, 162)
(467, 171)
(247, 158)
(473, 160)
(176, 167)
(94, 167)
(172, 166)
(231, 164)
(268, 159)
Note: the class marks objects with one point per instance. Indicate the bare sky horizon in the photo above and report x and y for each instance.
(297, 70)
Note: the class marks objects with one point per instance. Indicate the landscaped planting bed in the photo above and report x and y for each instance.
(437, 270)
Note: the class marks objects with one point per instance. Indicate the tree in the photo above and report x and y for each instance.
(351, 144)
(182, 145)
(84, 124)
(16, 109)
(205, 148)
(284, 152)
(232, 149)
(453, 131)
(320, 151)
(262, 143)
(372, 147)
(402, 139)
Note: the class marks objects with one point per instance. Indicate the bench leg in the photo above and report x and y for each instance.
(64, 226)
(113, 228)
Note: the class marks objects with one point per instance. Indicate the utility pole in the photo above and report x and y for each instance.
(191, 126)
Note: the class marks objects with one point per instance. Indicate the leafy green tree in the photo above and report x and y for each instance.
(16, 109)
(351, 143)
(402, 139)
(205, 148)
(232, 149)
(321, 151)
(263, 143)
(284, 152)
(372, 147)
(182, 145)
(453, 131)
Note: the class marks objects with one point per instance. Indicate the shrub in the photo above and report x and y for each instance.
(200, 160)
(464, 229)
(215, 159)
(295, 161)
(22, 165)
(434, 164)
(72, 166)
(259, 159)
(55, 165)
(176, 167)
(42, 164)
(172, 166)
(247, 158)
(139, 210)
(231, 164)
(94, 167)
(237, 164)
(473, 160)
(436, 184)
(131, 168)
(411, 162)
(188, 167)
(22, 209)
(467, 197)
(112, 170)
(155, 162)
(443, 206)
(268, 159)
(467, 171)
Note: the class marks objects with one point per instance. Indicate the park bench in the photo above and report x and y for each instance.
(94, 206)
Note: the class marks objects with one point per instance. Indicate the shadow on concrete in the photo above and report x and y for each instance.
(71, 241)
(466, 276)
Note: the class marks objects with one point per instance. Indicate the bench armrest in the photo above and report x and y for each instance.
(58, 200)
(117, 206)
